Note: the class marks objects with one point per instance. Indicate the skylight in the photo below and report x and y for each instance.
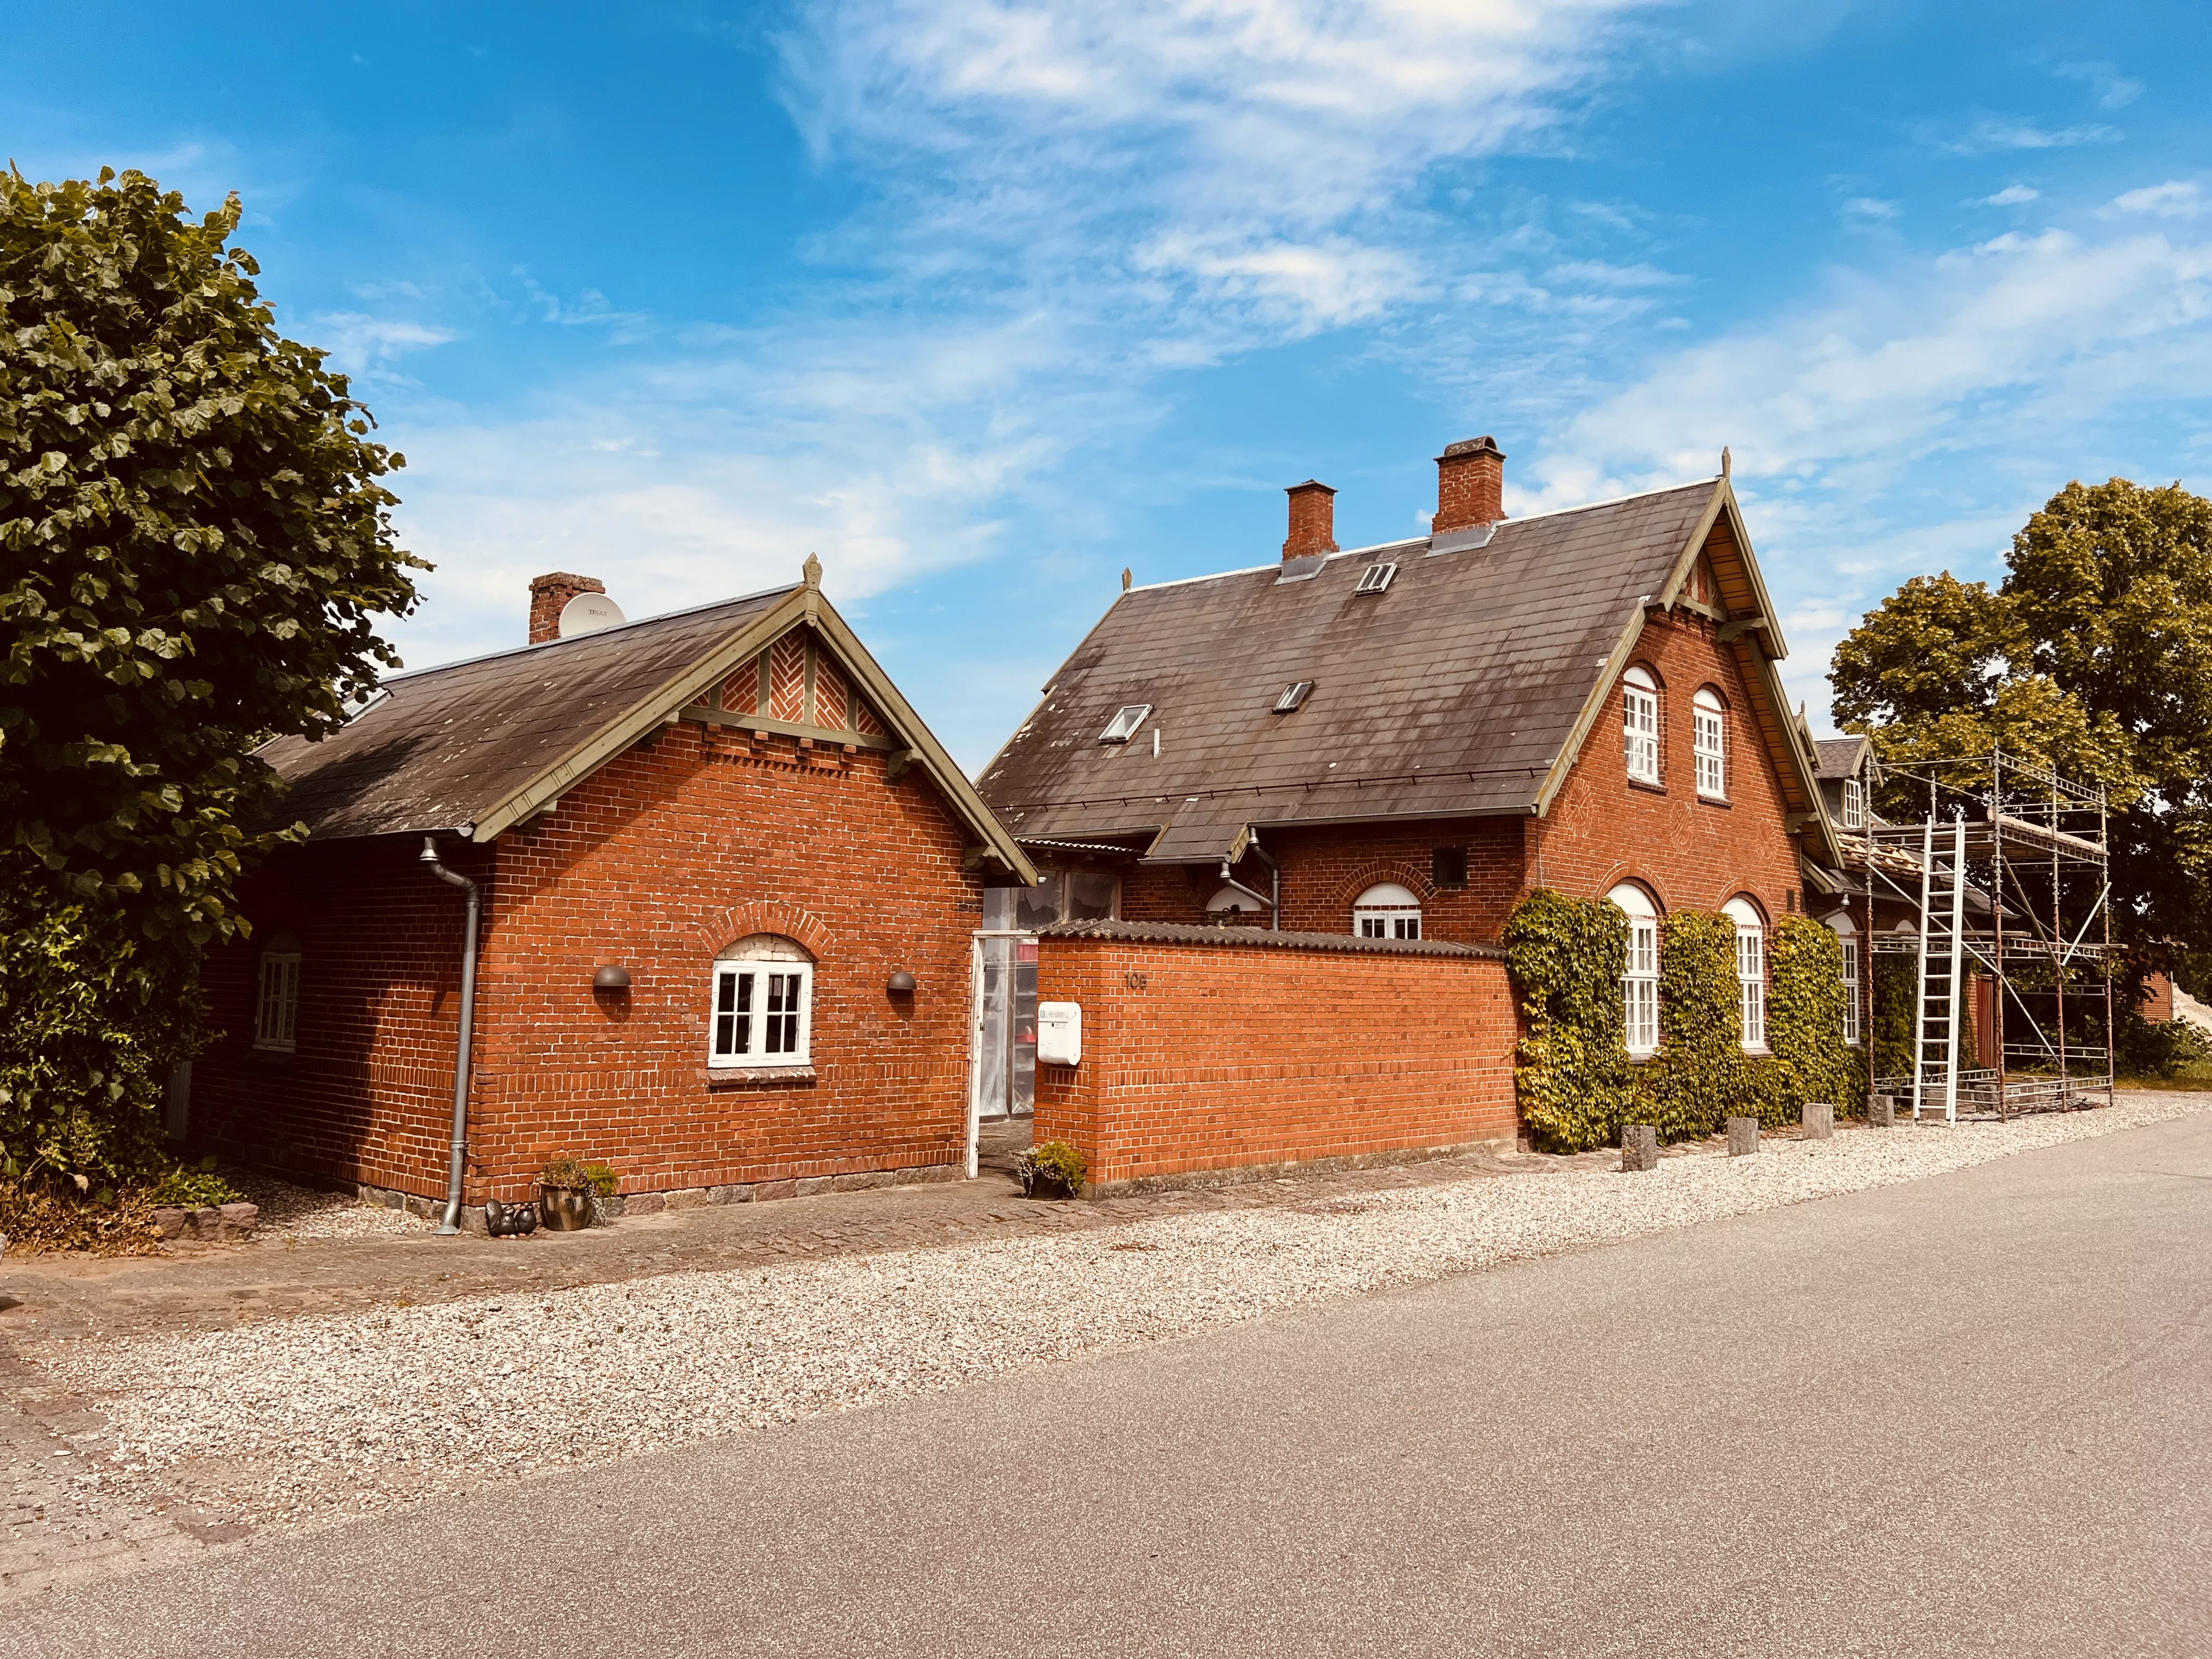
(1293, 696)
(1124, 727)
(1375, 578)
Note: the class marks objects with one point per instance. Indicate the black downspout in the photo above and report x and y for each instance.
(452, 1224)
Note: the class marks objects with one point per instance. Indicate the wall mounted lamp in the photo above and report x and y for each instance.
(610, 978)
(902, 984)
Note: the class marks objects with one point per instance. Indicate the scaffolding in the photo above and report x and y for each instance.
(2009, 877)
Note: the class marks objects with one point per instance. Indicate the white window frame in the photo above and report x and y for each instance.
(768, 1022)
(1854, 804)
(1639, 724)
(1709, 717)
(1387, 910)
(1750, 971)
(277, 1002)
(1127, 719)
(1850, 990)
(1639, 979)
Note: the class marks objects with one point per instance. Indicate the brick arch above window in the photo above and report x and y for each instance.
(1407, 875)
(740, 922)
(1650, 671)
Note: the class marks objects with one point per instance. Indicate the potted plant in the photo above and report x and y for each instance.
(1054, 1170)
(567, 1192)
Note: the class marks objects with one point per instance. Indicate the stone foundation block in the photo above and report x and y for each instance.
(1742, 1136)
(764, 1191)
(686, 1198)
(1639, 1146)
(643, 1203)
(170, 1222)
(1819, 1119)
(864, 1181)
(810, 1185)
(736, 1192)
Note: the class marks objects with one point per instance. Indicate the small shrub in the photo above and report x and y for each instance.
(194, 1187)
(569, 1175)
(1052, 1169)
(35, 1218)
(2159, 1050)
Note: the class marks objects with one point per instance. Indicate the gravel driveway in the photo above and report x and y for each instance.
(318, 1417)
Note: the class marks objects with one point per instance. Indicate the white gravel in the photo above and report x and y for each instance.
(313, 1416)
(290, 1211)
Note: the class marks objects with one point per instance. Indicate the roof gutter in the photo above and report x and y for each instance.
(452, 1224)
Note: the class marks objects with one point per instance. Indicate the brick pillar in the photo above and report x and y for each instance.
(1470, 484)
(1313, 519)
(549, 595)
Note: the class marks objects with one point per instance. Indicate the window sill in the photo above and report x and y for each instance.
(1762, 1052)
(1647, 786)
(742, 1077)
(271, 1059)
(1715, 800)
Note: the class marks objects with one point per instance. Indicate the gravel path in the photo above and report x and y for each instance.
(290, 1211)
(289, 1422)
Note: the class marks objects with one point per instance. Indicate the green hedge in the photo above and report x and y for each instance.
(1567, 956)
(1576, 1083)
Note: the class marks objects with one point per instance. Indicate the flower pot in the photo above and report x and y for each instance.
(564, 1212)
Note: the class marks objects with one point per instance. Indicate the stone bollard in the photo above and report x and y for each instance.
(1819, 1119)
(1639, 1146)
(1743, 1136)
(1881, 1112)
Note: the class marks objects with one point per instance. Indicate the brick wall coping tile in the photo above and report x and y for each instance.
(1175, 932)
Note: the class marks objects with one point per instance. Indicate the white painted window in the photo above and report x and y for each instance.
(1851, 992)
(1711, 745)
(1124, 727)
(763, 1005)
(1750, 968)
(277, 1009)
(1854, 805)
(1639, 979)
(1387, 910)
(1639, 718)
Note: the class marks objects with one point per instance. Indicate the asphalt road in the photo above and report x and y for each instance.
(1972, 1415)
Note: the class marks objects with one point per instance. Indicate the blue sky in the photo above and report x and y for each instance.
(983, 300)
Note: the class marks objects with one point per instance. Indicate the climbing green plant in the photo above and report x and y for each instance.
(1896, 988)
(1567, 955)
(1805, 1026)
(1699, 1075)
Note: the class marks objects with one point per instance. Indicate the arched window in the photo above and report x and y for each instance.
(1711, 742)
(763, 1005)
(1639, 722)
(1750, 968)
(1847, 936)
(1387, 910)
(277, 1004)
(1639, 980)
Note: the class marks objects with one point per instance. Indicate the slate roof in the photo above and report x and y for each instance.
(448, 744)
(1176, 933)
(1838, 756)
(1449, 693)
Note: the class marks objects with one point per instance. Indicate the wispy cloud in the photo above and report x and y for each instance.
(2010, 196)
(1992, 135)
(2176, 198)
(360, 343)
(2111, 90)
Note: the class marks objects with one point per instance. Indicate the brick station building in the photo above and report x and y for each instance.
(727, 881)
(1280, 814)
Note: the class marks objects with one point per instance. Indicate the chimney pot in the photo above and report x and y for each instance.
(1313, 519)
(1470, 485)
(549, 595)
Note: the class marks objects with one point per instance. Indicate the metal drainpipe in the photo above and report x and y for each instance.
(1274, 884)
(452, 1224)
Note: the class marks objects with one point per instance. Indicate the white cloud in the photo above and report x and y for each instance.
(1989, 135)
(2112, 89)
(2010, 196)
(1868, 210)
(360, 343)
(2177, 198)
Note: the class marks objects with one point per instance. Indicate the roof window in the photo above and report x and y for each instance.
(1293, 694)
(1375, 578)
(1124, 727)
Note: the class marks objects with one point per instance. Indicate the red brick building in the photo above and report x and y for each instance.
(727, 881)
(1397, 744)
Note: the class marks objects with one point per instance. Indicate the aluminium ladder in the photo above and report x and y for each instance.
(1942, 927)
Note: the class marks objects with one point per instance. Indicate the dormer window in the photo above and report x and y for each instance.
(1124, 727)
(1375, 578)
(1854, 805)
(1639, 719)
(1293, 695)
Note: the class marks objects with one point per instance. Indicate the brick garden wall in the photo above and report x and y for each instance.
(1220, 1053)
(689, 842)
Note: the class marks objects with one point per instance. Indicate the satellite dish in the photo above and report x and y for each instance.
(587, 613)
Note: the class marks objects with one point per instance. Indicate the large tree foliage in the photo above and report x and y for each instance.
(2093, 657)
(193, 544)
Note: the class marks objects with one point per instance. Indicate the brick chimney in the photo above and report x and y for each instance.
(1313, 519)
(549, 596)
(1470, 485)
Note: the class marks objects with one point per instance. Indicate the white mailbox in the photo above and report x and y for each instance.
(1060, 1034)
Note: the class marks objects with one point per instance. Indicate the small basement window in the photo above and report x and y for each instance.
(1124, 727)
(1293, 695)
(1375, 578)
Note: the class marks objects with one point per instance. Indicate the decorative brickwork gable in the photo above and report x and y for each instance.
(786, 677)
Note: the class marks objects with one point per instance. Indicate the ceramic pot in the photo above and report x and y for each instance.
(564, 1212)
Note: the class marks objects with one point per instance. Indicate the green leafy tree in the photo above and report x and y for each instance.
(194, 541)
(2093, 657)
